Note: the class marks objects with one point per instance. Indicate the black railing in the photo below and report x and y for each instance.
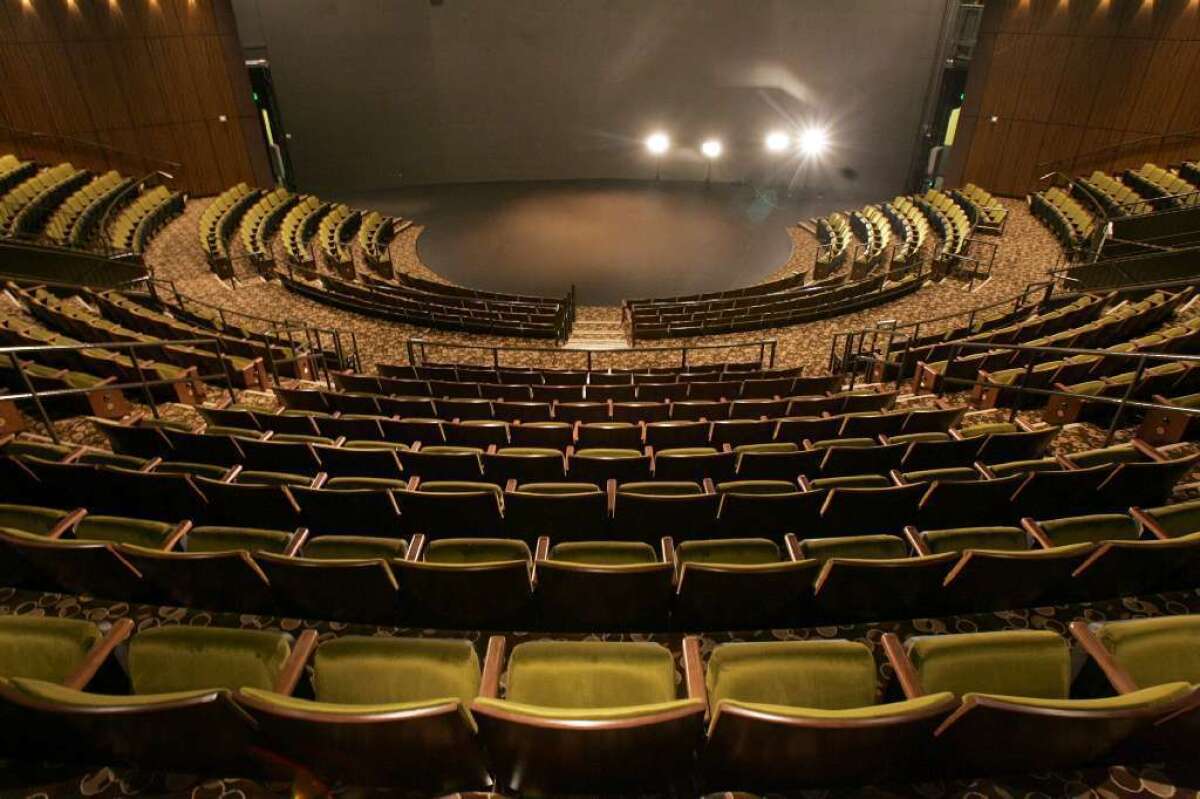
(418, 350)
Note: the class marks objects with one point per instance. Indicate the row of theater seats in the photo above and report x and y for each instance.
(422, 713)
(26, 205)
(833, 242)
(949, 219)
(1117, 198)
(75, 223)
(137, 223)
(984, 210)
(261, 221)
(298, 227)
(220, 219)
(335, 234)
(1073, 222)
(375, 236)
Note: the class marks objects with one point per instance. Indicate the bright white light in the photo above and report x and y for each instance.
(777, 141)
(711, 148)
(658, 143)
(814, 142)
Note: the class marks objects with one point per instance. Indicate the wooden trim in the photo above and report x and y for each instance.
(984, 470)
(693, 669)
(1035, 531)
(668, 550)
(1150, 523)
(85, 671)
(67, 523)
(416, 547)
(897, 478)
(493, 666)
(1120, 679)
(296, 542)
(1150, 451)
(181, 530)
(610, 487)
(542, 550)
(293, 668)
(319, 480)
(916, 541)
(793, 546)
(232, 474)
(902, 665)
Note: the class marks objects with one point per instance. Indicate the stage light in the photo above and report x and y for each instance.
(658, 143)
(777, 141)
(814, 142)
(711, 148)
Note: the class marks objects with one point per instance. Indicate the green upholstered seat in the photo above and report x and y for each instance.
(871, 547)
(1015, 467)
(224, 539)
(604, 553)
(737, 551)
(772, 448)
(476, 550)
(948, 474)
(460, 487)
(358, 483)
(823, 675)
(44, 648)
(353, 547)
(1122, 453)
(1026, 663)
(1176, 520)
(297, 438)
(852, 481)
(1094, 528)
(758, 487)
(590, 675)
(198, 469)
(1155, 651)
(20, 447)
(117, 530)
(910, 438)
(1010, 539)
(100, 457)
(254, 477)
(826, 443)
(178, 658)
(362, 670)
(219, 430)
(663, 488)
(1135, 700)
(987, 429)
(30, 519)
(608, 453)
(529, 452)
(449, 449)
(559, 489)
(375, 445)
(685, 452)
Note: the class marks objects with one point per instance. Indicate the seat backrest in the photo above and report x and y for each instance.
(182, 658)
(1154, 651)
(590, 674)
(1029, 663)
(829, 675)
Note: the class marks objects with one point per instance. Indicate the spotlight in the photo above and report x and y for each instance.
(658, 143)
(814, 142)
(777, 141)
(711, 148)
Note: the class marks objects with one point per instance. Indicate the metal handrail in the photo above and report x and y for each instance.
(31, 392)
(766, 347)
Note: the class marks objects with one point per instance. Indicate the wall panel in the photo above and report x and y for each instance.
(133, 85)
(1099, 84)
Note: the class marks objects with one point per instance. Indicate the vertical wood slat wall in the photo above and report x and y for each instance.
(149, 77)
(1065, 78)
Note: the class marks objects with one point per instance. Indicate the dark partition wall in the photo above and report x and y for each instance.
(378, 94)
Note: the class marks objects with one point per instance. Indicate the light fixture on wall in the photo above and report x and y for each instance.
(777, 141)
(814, 142)
(711, 148)
(657, 144)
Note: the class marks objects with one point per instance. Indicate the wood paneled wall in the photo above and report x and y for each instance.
(160, 82)
(1075, 86)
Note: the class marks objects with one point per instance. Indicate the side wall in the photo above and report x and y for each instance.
(150, 78)
(1078, 85)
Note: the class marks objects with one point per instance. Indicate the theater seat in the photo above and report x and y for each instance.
(767, 508)
(466, 583)
(646, 511)
(566, 510)
(741, 583)
(599, 465)
(775, 705)
(602, 585)
(451, 508)
(586, 716)
(181, 681)
(1015, 687)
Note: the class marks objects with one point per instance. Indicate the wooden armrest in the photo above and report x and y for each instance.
(610, 487)
(83, 674)
(415, 446)
(805, 483)
(906, 672)
(1150, 451)
(792, 544)
(916, 541)
(151, 464)
(1035, 531)
(414, 483)
(296, 542)
(709, 486)
(416, 546)
(319, 480)
(232, 474)
(897, 478)
(668, 549)
(293, 668)
(510, 485)
(693, 669)
(182, 529)
(1121, 680)
(1065, 462)
(984, 470)
(542, 551)
(67, 523)
(493, 666)
(1150, 523)
(491, 449)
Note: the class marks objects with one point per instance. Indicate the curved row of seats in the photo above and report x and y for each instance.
(335, 233)
(1071, 222)
(833, 240)
(597, 715)
(137, 223)
(375, 234)
(221, 217)
(26, 206)
(13, 171)
(1165, 187)
(261, 221)
(985, 212)
(75, 222)
(948, 219)
(299, 226)
(1117, 198)
(875, 232)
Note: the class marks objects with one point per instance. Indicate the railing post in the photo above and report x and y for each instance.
(141, 377)
(1137, 378)
(271, 358)
(946, 376)
(228, 372)
(354, 344)
(1020, 401)
(324, 360)
(408, 345)
(774, 344)
(495, 357)
(37, 401)
(589, 360)
(684, 354)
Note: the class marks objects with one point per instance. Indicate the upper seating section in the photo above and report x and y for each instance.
(986, 212)
(1072, 222)
(262, 220)
(1117, 197)
(222, 217)
(1164, 187)
(134, 227)
(76, 222)
(25, 207)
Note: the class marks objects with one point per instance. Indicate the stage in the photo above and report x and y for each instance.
(612, 239)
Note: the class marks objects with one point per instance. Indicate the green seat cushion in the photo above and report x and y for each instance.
(1036, 465)
(374, 445)
(604, 553)
(117, 530)
(59, 695)
(253, 477)
(236, 432)
(368, 670)
(476, 550)
(559, 489)
(1157, 650)
(168, 659)
(866, 713)
(224, 539)
(608, 453)
(448, 449)
(590, 674)
(774, 448)
(38, 449)
(459, 487)
(199, 469)
(951, 474)
(757, 487)
(30, 518)
(1135, 700)
(1176, 520)
(911, 438)
(1187, 401)
(844, 442)
(827, 675)
(44, 648)
(852, 481)
(618, 713)
(685, 452)
(298, 705)
(872, 547)
(662, 488)
(1122, 453)
(1094, 528)
(104, 458)
(354, 547)
(297, 438)
(962, 538)
(743, 551)
(987, 429)
(529, 452)
(357, 483)
(1028, 663)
